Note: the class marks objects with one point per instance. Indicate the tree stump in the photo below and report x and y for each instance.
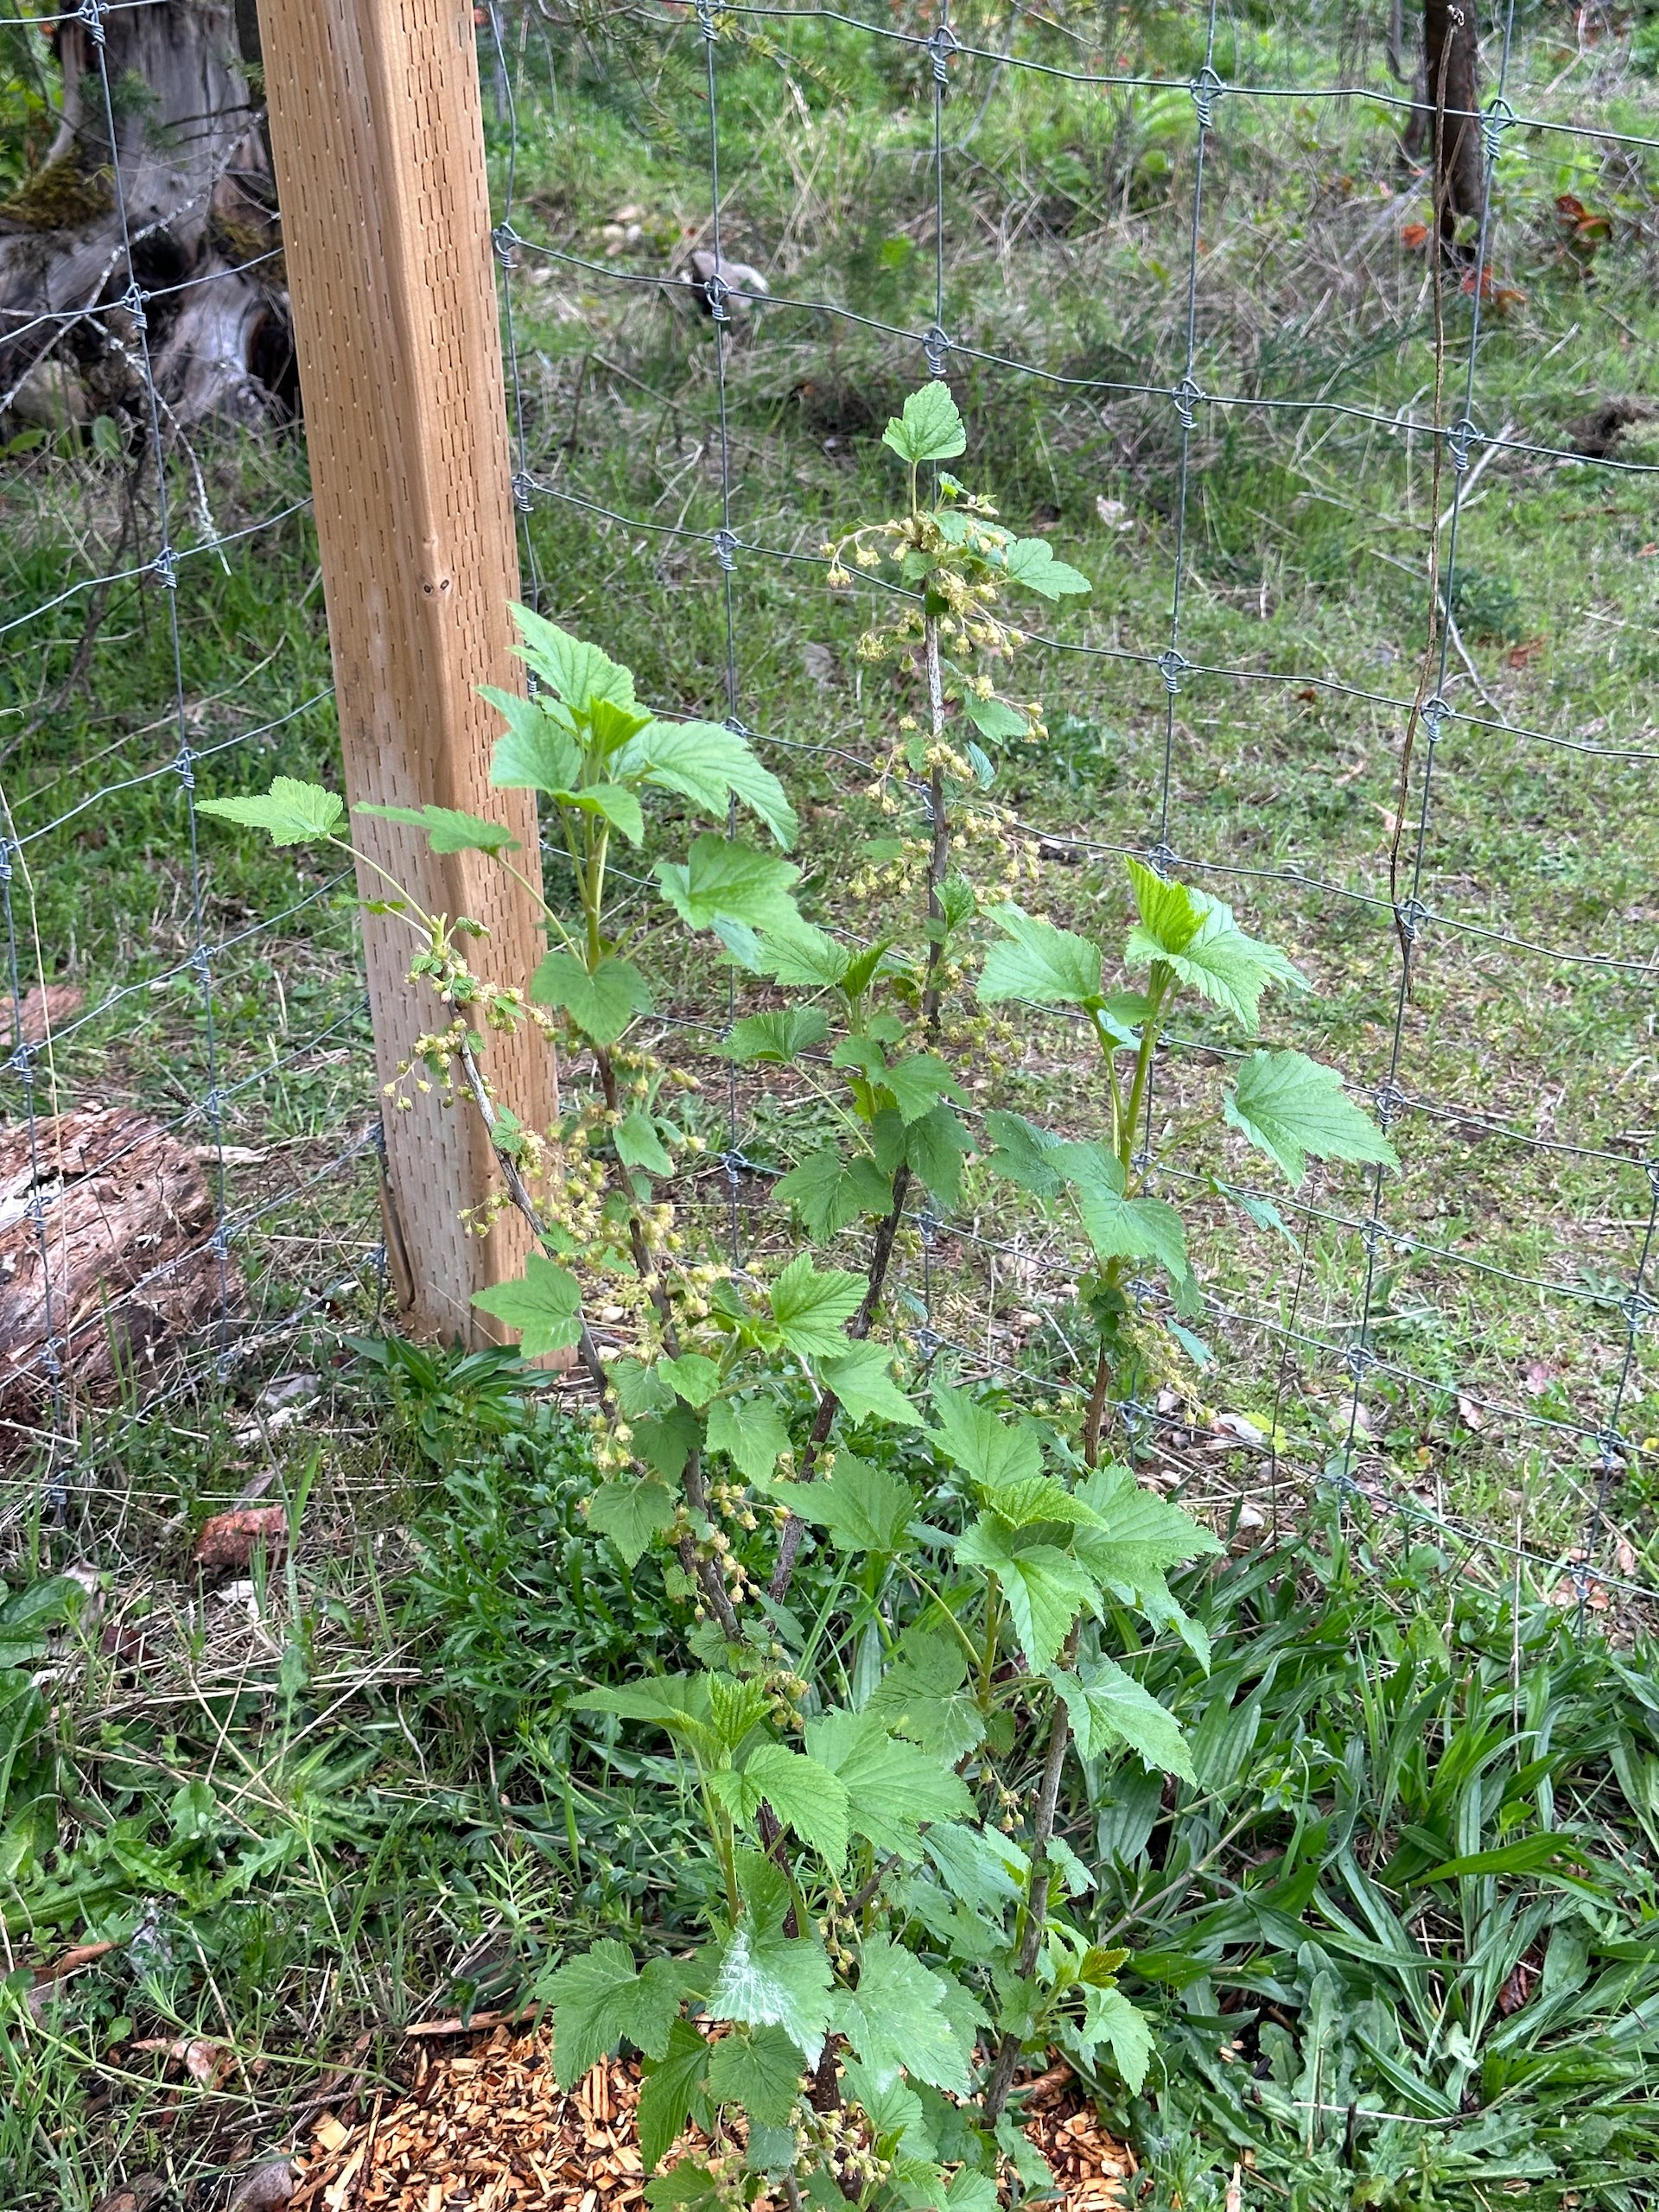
(183, 133)
(115, 1264)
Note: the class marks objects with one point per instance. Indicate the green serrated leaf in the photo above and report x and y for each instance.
(544, 1306)
(576, 671)
(798, 953)
(1023, 1500)
(666, 1440)
(1169, 914)
(1030, 561)
(670, 2092)
(612, 728)
(770, 2150)
(894, 2112)
(723, 879)
(688, 2186)
(751, 1432)
(709, 764)
(956, 897)
(861, 1376)
(1110, 1711)
(779, 1037)
(1143, 1534)
(1048, 966)
(918, 1083)
(934, 1148)
(539, 752)
(1134, 1228)
(827, 1193)
(1044, 1590)
(1199, 938)
(987, 1448)
(986, 1870)
(894, 1788)
(930, 428)
(760, 2070)
(1290, 1108)
(690, 1376)
(805, 1795)
(967, 2191)
(737, 1703)
(898, 2023)
(618, 806)
(601, 1004)
(863, 968)
(767, 1979)
(864, 1508)
(448, 831)
(812, 1308)
(1035, 2174)
(1109, 2017)
(632, 1513)
(600, 1999)
(1024, 1152)
(292, 813)
(924, 1695)
(638, 1144)
(679, 1704)
(993, 718)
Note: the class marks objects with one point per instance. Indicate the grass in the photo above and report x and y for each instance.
(1519, 1222)
(1402, 1934)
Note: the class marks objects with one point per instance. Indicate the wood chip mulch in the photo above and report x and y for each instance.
(486, 2128)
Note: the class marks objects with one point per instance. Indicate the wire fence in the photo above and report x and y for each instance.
(153, 1255)
(1313, 1344)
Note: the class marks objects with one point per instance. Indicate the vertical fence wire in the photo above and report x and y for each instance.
(1324, 1227)
(1134, 1414)
(1431, 716)
(1454, 438)
(717, 294)
(58, 1061)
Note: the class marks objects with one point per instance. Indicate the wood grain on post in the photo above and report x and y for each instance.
(379, 142)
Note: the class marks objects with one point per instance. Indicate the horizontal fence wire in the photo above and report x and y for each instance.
(1354, 1342)
(163, 1253)
(1326, 1305)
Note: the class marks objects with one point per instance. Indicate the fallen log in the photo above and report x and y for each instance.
(106, 1258)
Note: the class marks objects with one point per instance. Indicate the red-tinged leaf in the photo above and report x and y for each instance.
(227, 1543)
(1414, 237)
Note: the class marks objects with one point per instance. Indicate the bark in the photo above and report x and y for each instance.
(1451, 78)
(187, 160)
(106, 1257)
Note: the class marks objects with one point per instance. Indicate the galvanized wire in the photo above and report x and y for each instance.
(1350, 1344)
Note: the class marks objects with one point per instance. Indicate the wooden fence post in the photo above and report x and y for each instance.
(378, 136)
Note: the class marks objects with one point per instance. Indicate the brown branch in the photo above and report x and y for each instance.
(1059, 1736)
(1094, 1420)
